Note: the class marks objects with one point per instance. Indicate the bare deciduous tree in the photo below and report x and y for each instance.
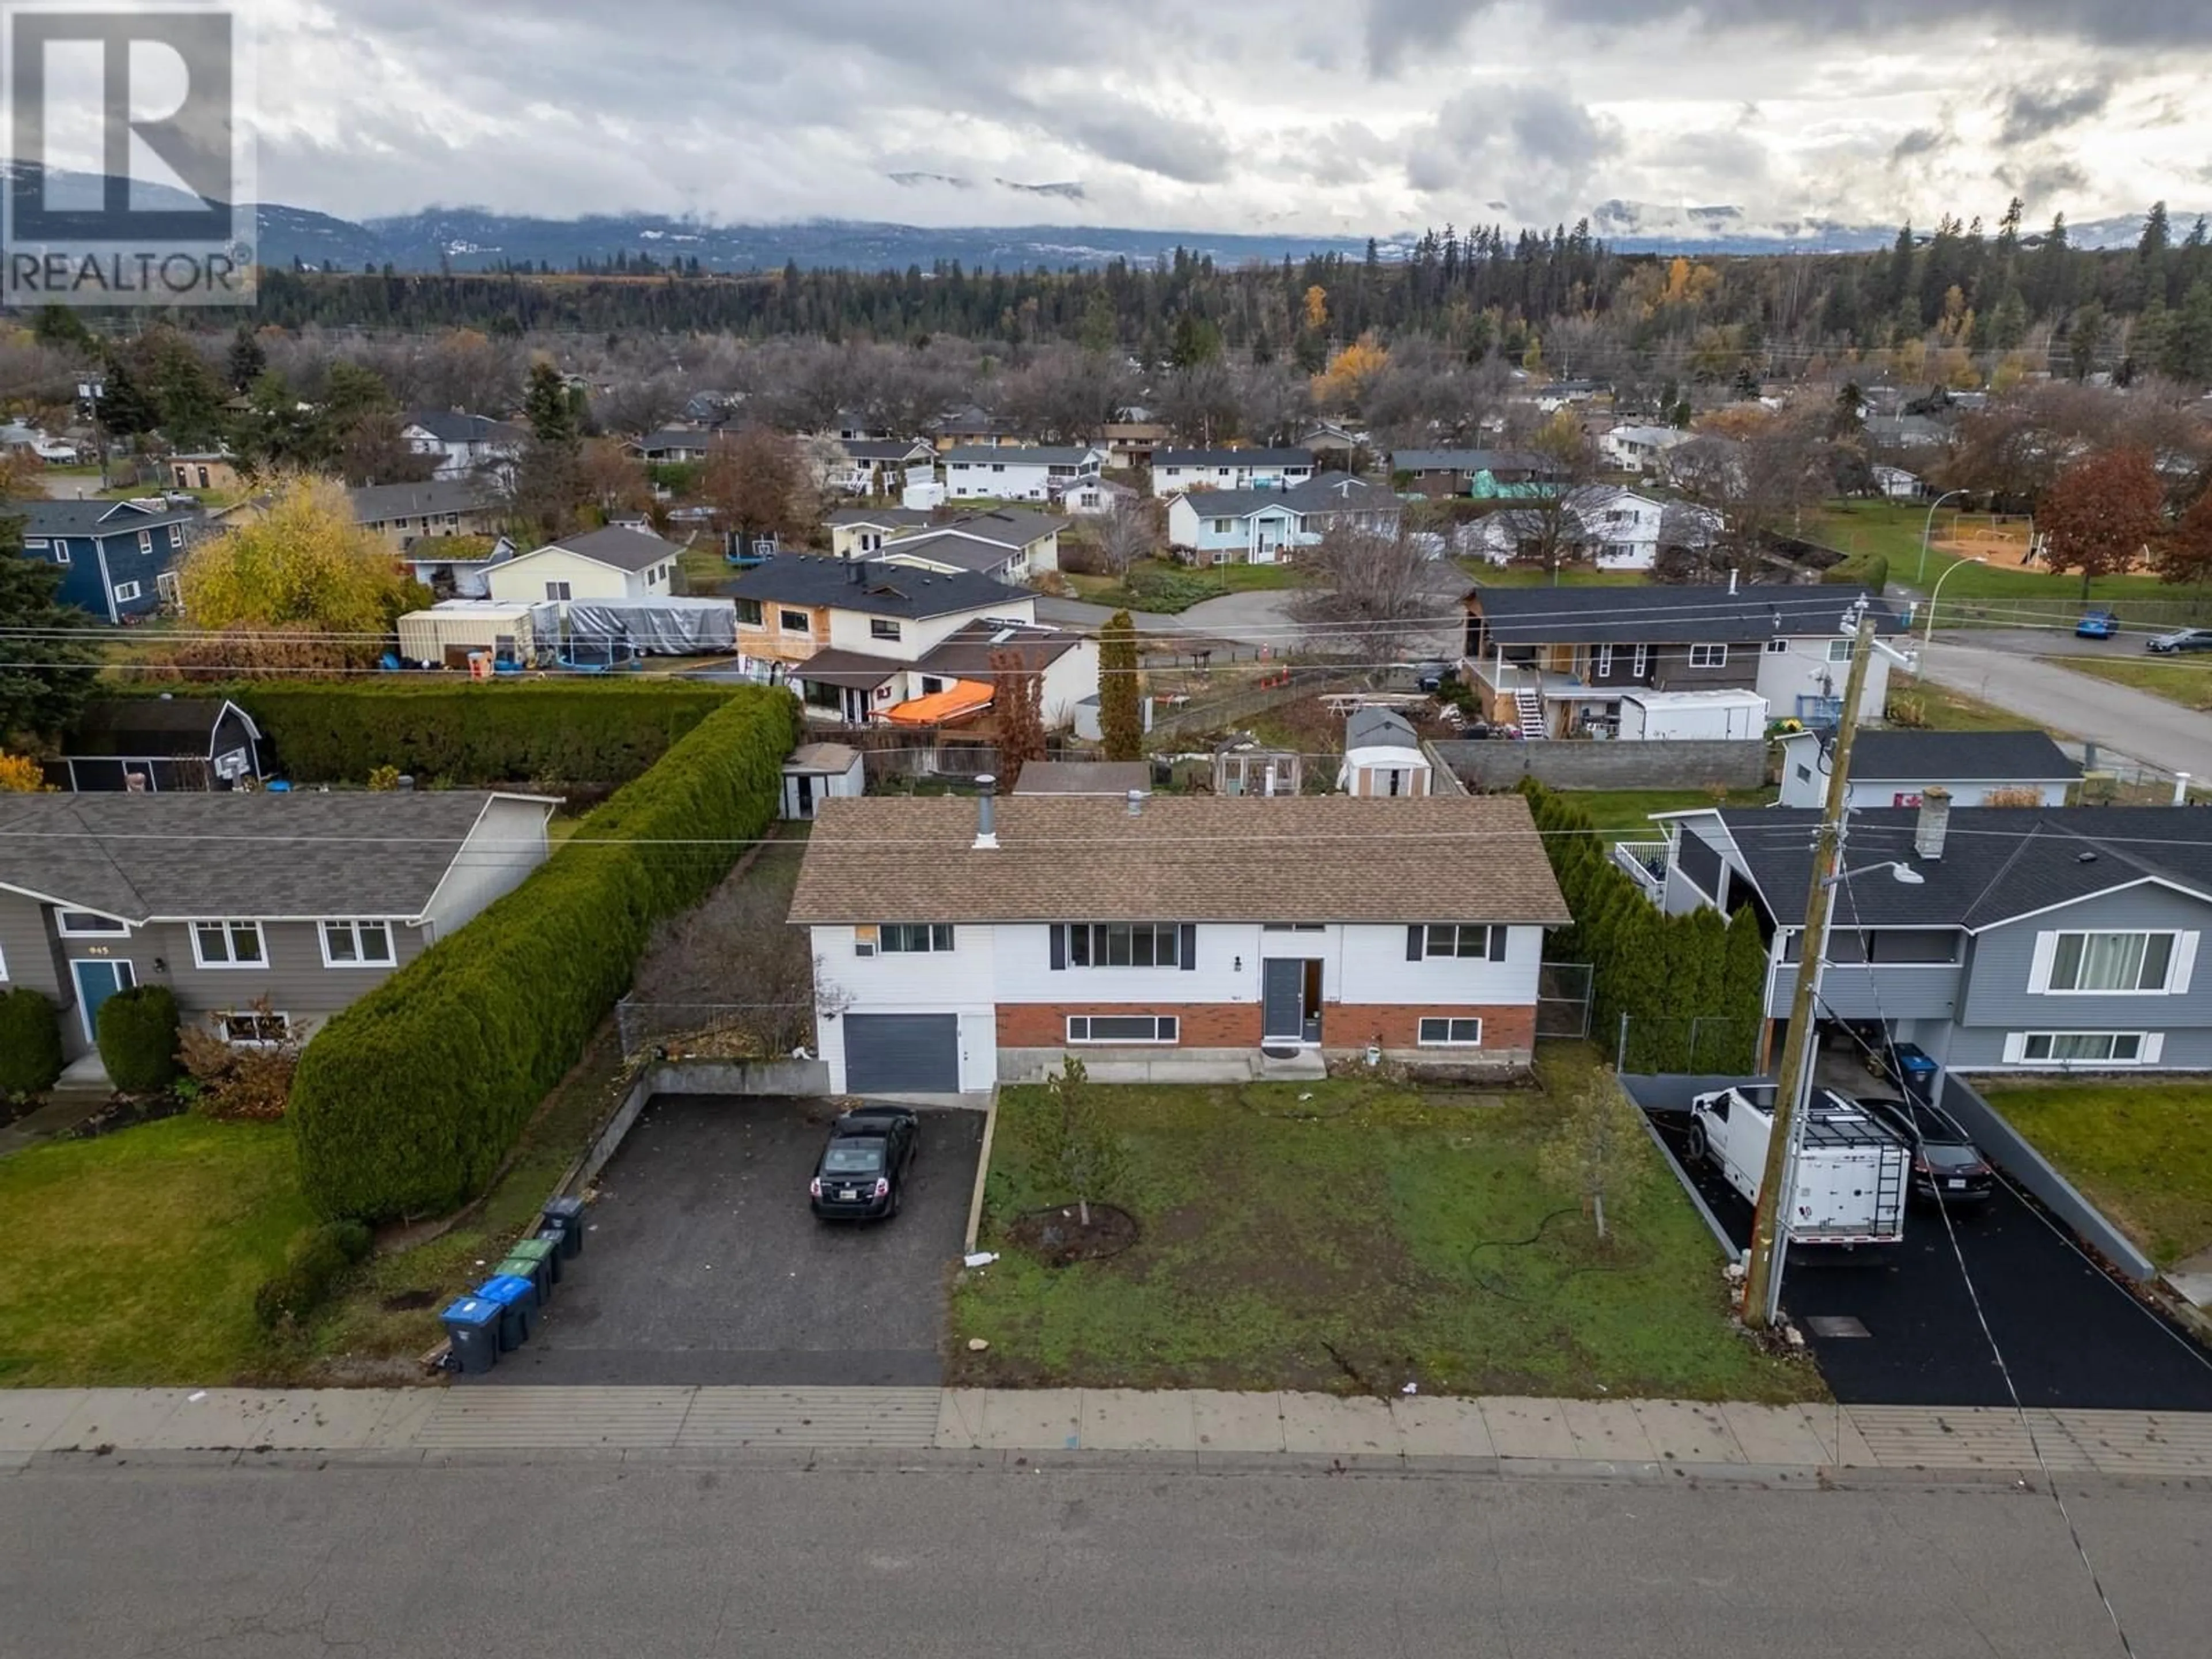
(1369, 595)
(734, 967)
(1130, 533)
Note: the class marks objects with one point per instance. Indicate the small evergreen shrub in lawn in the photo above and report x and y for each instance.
(138, 1034)
(30, 1043)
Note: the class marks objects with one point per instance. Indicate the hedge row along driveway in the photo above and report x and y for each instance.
(406, 1102)
(452, 730)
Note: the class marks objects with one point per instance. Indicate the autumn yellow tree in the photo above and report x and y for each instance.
(1316, 307)
(301, 566)
(1341, 385)
(21, 775)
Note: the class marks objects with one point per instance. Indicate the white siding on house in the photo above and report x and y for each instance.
(957, 981)
(852, 630)
(527, 578)
(508, 842)
(1806, 667)
(1068, 680)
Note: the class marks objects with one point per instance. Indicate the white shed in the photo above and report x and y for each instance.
(445, 634)
(1710, 716)
(816, 770)
(1383, 756)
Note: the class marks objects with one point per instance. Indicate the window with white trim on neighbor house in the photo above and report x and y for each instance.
(232, 944)
(2113, 964)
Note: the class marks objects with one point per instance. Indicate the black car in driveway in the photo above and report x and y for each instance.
(1947, 1168)
(862, 1169)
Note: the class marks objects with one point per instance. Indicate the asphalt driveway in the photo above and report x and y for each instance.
(704, 1264)
(2069, 1333)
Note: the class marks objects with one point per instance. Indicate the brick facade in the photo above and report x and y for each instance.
(1395, 1026)
(1205, 1025)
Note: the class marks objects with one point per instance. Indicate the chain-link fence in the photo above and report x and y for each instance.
(1703, 1045)
(720, 1030)
(1563, 1000)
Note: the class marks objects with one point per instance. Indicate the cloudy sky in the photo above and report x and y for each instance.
(1356, 116)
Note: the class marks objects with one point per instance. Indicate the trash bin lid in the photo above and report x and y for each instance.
(563, 1209)
(471, 1310)
(521, 1266)
(506, 1287)
(534, 1249)
(552, 1235)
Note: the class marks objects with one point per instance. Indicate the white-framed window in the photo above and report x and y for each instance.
(251, 1028)
(61, 552)
(1642, 664)
(34, 543)
(87, 924)
(1225, 526)
(357, 944)
(558, 591)
(1840, 650)
(882, 627)
(914, 938)
(1604, 662)
(1293, 926)
(228, 944)
(1122, 945)
(145, 541)
(1124, 1028)
(177, 530)
(1777, 648)
(998, 466)
(2084, 1047)
(1471, 940)
(1441, 1032)
(1708, 656)
(126, 591)
(2113, 964)
(794, 621)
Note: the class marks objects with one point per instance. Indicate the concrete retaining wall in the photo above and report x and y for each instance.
(1577, 764)
(739, 1077)
(2007, 1148)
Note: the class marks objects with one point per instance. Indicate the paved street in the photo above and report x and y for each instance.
(2115, 717)
(544, 1555)
(704, 1264)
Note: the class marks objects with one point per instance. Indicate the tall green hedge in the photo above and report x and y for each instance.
(137, 1030)
(405, 1103)
(30, 1043)
(469, 734)
(1867, 570)
(1694, 986)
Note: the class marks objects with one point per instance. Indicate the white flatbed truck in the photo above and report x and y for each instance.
(1852, 1171)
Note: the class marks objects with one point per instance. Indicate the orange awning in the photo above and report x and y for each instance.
(955, 701)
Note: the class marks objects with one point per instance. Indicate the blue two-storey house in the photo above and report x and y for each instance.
(117, 558)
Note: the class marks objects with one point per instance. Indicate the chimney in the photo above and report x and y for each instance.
(1136, 803)
(856, 571)
(986, 820)
(1934, 821)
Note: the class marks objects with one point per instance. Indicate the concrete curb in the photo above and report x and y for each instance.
(982, 1171)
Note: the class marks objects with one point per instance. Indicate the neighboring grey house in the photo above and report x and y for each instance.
(1894, 768)
(464, 443)
(306, 900)
(2039, 939)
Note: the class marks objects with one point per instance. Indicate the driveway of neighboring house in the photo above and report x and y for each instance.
(2070, 1335)
(2117, 718)
(704, 1264)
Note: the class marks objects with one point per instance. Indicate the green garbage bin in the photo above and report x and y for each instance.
(544, 1271)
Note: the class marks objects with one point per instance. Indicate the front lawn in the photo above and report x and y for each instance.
(1924, 705)
(2141, 1151)
(1168, 588)
(2187, 681)
(132, 1261)
(1355, 1236)
(1535, 575)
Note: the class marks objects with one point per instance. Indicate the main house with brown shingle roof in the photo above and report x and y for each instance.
(962, 942)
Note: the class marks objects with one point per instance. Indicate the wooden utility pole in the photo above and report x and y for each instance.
(1762, 1283)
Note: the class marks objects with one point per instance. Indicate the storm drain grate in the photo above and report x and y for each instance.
(1836, 1325)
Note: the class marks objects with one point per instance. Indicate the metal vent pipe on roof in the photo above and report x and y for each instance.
(1136, 803)
(987, 819)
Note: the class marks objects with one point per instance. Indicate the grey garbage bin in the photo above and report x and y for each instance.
(517, 1297)
(567, 1214)
(472, 1327)
(552, 1237)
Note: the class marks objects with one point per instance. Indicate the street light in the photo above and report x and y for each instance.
(1927, 638)
(1929, 529)
(1799, 1085)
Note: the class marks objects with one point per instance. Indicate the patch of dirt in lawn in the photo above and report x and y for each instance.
(1060, 1236)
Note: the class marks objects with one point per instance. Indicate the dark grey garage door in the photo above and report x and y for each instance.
(902, 1053)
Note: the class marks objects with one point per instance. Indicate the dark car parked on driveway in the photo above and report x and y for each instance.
(864, 1166)
(1947, 1168)
(2187, 638)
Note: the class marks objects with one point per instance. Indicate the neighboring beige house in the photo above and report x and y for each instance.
(599, 564)
(860, 532)
(405, 513)
(208, 471)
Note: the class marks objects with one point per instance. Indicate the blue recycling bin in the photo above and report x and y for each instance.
(554, 1236)
(1915, 1072)
(472, 1327)
(567, 1214)
(518, 1308)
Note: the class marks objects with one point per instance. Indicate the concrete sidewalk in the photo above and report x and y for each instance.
(1564, 1436)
